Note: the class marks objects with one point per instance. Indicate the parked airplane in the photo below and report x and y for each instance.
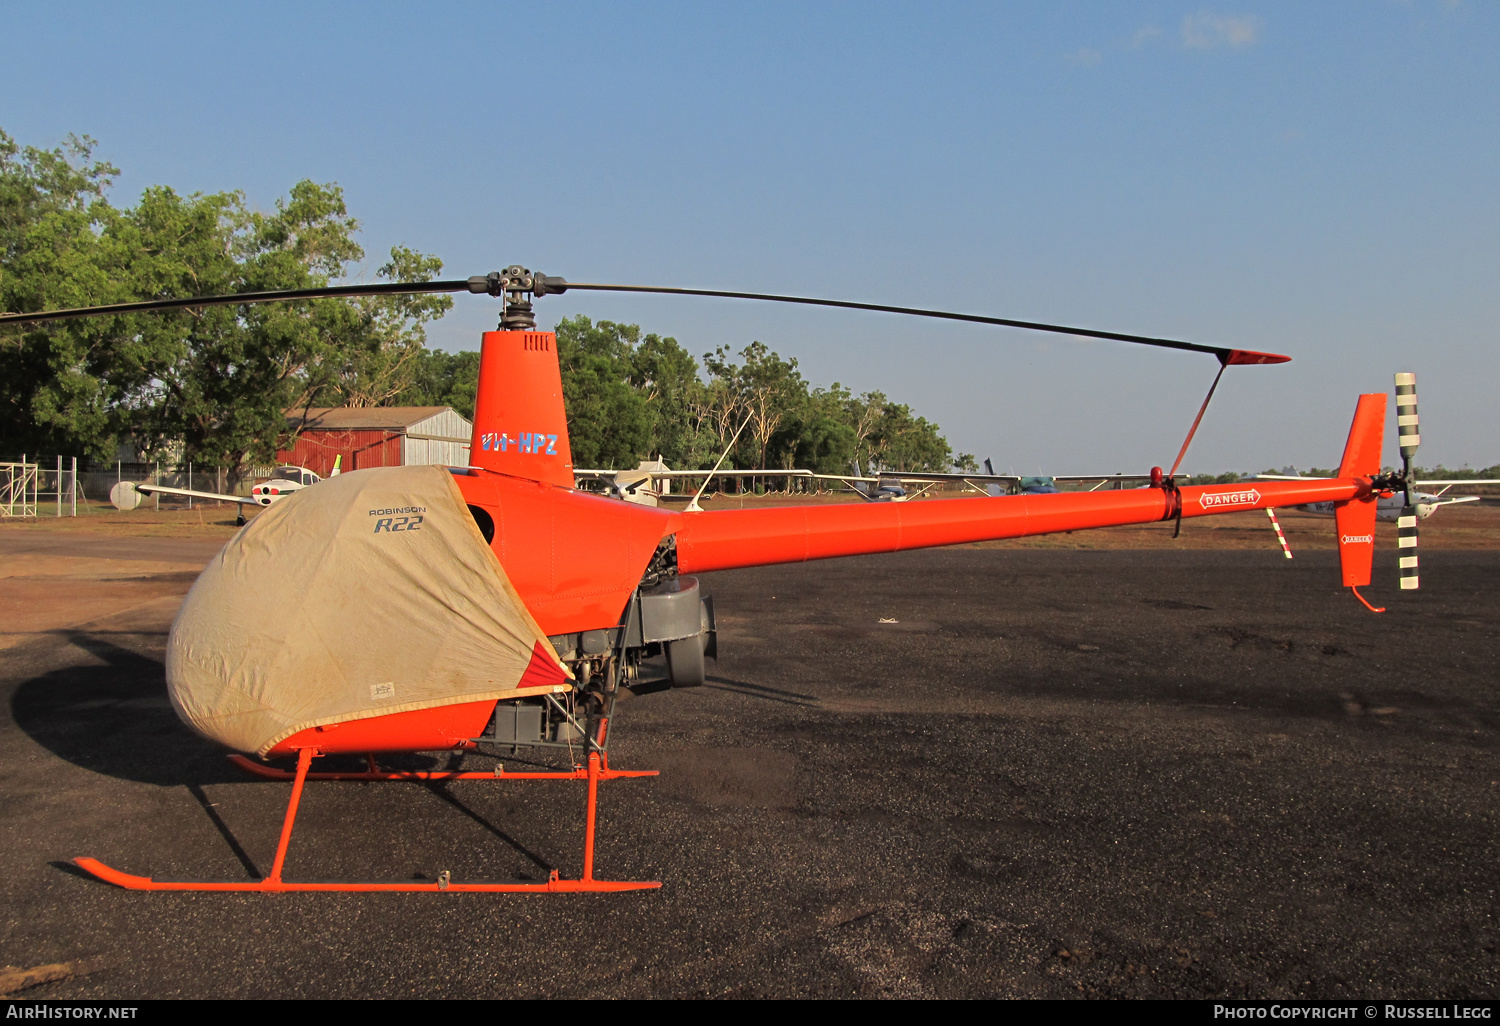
(891, 486)
(126, 495)
(1388, 507)
(650, 484)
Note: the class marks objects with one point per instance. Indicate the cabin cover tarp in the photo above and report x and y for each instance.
(366, 594)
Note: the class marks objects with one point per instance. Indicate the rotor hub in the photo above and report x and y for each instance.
(517, 284)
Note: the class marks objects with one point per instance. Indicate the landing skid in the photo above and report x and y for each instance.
(596, 770)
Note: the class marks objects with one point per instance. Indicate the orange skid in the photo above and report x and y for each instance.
(260, 769)
(553, 885)
(595, 771)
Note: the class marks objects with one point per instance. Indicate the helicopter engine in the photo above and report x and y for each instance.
(664, 638)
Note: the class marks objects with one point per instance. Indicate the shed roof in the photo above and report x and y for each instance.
(365, 418)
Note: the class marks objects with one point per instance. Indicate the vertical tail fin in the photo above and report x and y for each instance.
(1366, 436)
(520, 424)
(1355, 520)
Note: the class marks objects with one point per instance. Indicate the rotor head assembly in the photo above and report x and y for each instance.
(517, 284)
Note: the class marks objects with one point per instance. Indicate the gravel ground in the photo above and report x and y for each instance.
(1058, 773)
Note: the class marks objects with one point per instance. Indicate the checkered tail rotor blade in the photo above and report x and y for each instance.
(1409, 434)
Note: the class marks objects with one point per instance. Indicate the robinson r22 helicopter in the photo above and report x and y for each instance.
(416, 609)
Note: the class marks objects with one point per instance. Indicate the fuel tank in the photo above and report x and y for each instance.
(573, 558)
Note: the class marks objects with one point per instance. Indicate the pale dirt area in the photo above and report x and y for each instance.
(57, 574)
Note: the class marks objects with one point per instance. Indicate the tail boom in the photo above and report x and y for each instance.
(727, 539)
(723, 540)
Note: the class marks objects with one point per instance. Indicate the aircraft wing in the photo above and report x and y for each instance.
(697, 473)
(1419, 484)
(940, 478)
(146, 489)
(730, 473)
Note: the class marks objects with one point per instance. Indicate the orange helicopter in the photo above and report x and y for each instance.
(508, 608)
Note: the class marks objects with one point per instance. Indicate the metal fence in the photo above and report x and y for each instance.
(39, 486)
(96, 482)
(45, 486)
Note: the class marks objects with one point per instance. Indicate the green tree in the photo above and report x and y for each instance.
(443, 379)
(52, 207)
(768, 389)
(216, 381)
(207, 384)
(609, 421)
(666, 375)
(895, 439)
(384, 363)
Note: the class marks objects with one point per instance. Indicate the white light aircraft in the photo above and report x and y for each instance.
(284, 481)
(1388, 507)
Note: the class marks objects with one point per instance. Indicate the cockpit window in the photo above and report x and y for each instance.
(287, 474)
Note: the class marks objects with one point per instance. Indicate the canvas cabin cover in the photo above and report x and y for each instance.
(366, 594)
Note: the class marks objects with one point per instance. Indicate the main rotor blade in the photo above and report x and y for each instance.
(554, 286)
(333, 291)
(1226, 355)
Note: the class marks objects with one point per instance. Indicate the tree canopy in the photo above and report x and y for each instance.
(631, 396)
(212, 384)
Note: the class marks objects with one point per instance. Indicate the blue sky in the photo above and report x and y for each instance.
(1315, 179)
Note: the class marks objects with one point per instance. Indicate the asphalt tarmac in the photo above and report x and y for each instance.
(1055, 774)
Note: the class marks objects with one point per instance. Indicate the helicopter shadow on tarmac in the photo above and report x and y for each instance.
(739, 687)
(113, 717)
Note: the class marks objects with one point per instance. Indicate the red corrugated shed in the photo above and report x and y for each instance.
(316, 449)
(366, 437)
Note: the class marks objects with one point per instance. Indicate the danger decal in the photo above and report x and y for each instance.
(1211, 500)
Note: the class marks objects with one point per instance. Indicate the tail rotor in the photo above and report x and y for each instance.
(1409, 435)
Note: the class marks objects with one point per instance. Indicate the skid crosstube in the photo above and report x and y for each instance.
(596, 770)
